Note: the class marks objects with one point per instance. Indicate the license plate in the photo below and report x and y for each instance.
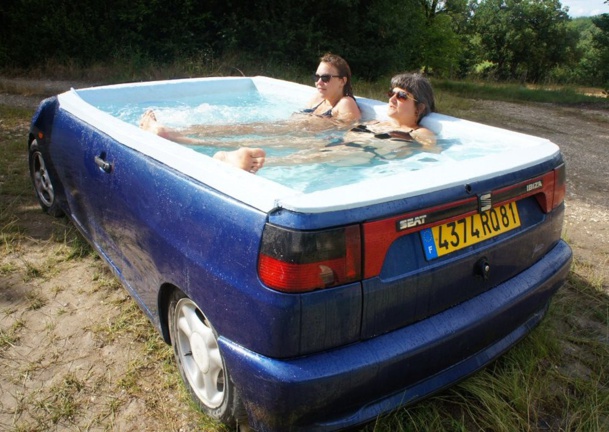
(444, 239)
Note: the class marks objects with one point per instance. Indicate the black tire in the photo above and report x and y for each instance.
(43, 185)
(201, 365)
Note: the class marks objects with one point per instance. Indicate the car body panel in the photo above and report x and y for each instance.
(167, 218)
(350, 385)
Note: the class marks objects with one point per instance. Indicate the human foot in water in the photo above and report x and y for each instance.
(248, 159)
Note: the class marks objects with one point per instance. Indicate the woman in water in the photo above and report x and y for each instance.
(410, 99)
(334, 98)
(334, 101)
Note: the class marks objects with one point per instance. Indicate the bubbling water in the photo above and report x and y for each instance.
(287, 161)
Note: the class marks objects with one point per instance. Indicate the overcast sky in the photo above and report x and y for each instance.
(579, 8)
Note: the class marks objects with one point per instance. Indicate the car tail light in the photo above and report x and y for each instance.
(560, 185)
(554, 189)
(300, 261)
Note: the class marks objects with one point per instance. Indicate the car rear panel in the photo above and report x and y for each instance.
(349, 385)
(424, 322)
(409, 288)
(402, 286)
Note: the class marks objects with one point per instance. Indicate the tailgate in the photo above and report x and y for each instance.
(420, 263)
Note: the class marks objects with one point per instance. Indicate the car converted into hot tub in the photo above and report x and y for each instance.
(310, 309)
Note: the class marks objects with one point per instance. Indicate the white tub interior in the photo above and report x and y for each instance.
(510, 150)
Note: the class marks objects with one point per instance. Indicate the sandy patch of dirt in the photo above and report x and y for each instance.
(76, 353)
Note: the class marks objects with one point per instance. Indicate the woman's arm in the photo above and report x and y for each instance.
(346, 110)
(424, 136)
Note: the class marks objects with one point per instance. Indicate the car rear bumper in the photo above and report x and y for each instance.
(356, 383)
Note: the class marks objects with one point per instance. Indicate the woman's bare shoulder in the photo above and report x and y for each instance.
(424, 136)
(347, 110)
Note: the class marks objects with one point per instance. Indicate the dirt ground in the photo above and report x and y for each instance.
(65, 348)
(583, 137)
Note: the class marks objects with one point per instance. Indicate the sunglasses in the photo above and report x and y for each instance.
(325, 78)
(401, 95)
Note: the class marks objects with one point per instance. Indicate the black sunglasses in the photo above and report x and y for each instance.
(401, 95)
(325, 78)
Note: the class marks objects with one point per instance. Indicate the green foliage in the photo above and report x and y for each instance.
(89, 31)
(600, 40)
(484, 69)
(524, 40)
(441, 48)
(376, 37)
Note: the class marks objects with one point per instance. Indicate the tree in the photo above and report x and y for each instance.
(377, 37)
(524, 39)
(601, 42)
(440, 46)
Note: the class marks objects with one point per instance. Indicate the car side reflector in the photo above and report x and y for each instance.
(299, 261)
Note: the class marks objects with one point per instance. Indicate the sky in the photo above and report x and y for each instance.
(579, 8)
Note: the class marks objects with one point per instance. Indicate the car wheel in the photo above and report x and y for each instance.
(200, 362)
(42, 181)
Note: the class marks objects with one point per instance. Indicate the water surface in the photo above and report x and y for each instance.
(287, 148)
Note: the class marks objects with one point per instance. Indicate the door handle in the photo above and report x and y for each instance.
(105, 166)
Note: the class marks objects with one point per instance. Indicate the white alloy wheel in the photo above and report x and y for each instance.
(199, 354)
(200, 361)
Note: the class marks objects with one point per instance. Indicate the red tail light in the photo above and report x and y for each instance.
(560, 185)
(554, 189)
(299, 261)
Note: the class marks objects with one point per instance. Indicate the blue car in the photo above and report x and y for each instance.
(316, 297)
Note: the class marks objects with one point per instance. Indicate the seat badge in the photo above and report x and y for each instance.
(411, 222)
(484, 202)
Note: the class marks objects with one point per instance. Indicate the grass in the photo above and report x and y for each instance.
(63, 404)
(13, 156)
(10, 337)
(454, 96)
(555, 379)
(35, 300)
(510, 92)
